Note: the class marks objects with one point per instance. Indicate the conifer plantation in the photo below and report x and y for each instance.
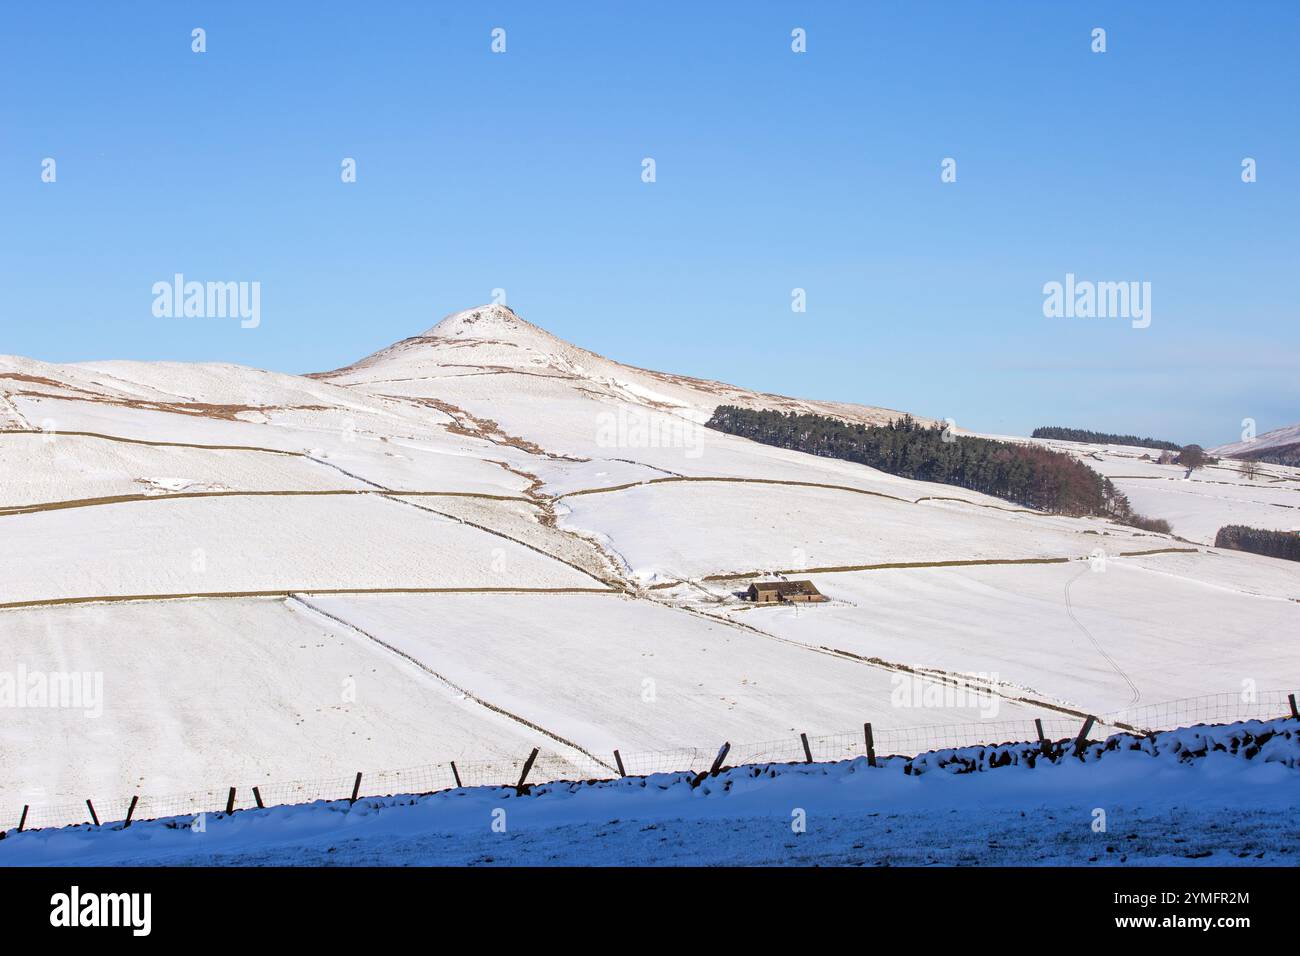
(1274, 544)
(1101, 438)
(1027, 475)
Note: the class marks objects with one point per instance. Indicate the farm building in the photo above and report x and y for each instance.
(775, 592)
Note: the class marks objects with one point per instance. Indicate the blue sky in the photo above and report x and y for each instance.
(775, 170)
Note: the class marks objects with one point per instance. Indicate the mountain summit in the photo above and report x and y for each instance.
(488, 352)
(483, 321)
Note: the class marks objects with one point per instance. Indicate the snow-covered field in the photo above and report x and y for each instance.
(200, 694)
(617, 672)
(1198, 796)
(1124, 638)
(706, 528)
(1197, 506)
(483, 539)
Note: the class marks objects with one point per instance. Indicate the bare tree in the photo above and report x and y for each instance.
(1249, 469)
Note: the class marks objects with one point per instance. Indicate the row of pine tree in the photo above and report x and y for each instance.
(1101, 438)
(1275, 544)
(1028, 475)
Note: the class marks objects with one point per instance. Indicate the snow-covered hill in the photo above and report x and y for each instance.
(1283, 442)
(484, 539)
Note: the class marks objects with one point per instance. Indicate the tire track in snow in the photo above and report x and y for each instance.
(1069, 609)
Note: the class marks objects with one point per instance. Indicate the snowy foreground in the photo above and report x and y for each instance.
(1221, 795)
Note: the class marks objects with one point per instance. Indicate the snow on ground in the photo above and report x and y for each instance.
(199, 694)
(49, 468)
(1091, 639)
(1200, 796)
(520, 520)
(610, 672)
(295, 543)
(703, 528)
(1218, 495)
(1223, 571)
(343, 458)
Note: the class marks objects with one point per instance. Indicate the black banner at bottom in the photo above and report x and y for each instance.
(257, 905)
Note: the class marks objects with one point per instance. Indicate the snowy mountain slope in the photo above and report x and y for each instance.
(435, 481)
(492, 340)
(1284, 437)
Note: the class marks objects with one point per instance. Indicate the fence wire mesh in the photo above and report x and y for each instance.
(547, 767)
(1207, 709)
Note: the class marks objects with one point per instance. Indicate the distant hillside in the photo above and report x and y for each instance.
(1029, 475)
(1101, 438)
(1281, 446)
(1278, 455)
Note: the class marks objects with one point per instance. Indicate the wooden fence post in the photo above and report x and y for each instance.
(722, 755)
(23, 819)
(456, 773)
(871, 745)
(93, 815)
(618, 759)
(1082, 739)
(356, 788)
(1044, 746)
(699, 778)
(528, 765)
(1295, 714)
(230, 801)
(807, 754)
(130, 811)
(257, 795)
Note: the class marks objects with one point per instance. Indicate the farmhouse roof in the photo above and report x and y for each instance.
(785, 588)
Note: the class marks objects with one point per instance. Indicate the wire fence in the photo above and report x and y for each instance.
(551, 767)
(1206, 709)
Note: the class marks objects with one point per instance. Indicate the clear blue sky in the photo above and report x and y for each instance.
(775, 170)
